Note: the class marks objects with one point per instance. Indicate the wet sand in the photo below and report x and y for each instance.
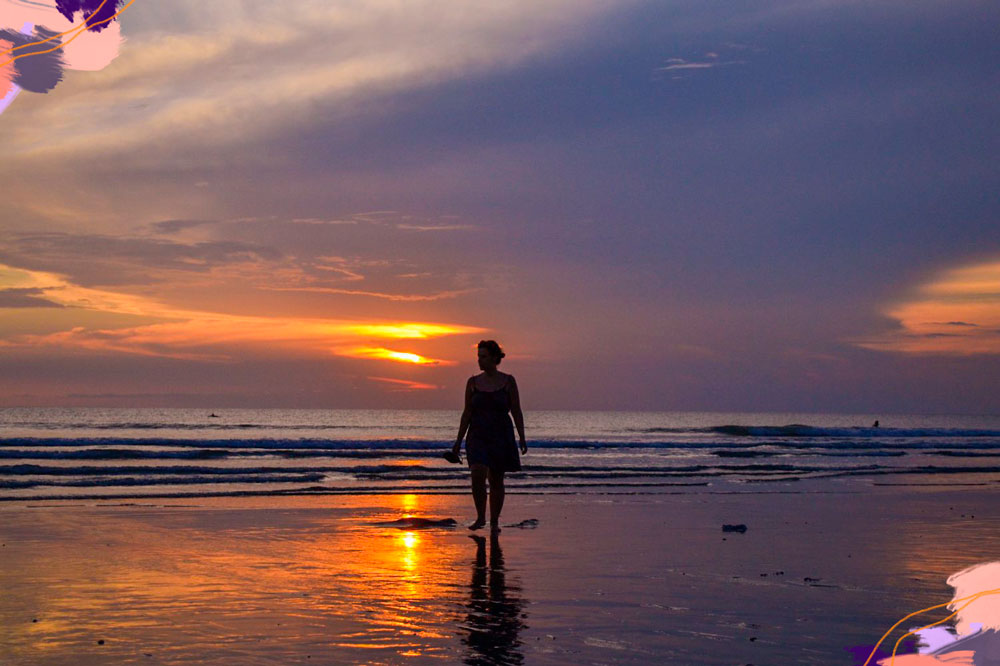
(630, 579)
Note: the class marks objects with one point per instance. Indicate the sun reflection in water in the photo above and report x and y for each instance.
(347, 588)
(410, 559)
(409, 504)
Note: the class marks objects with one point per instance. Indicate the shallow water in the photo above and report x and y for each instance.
(136, 453)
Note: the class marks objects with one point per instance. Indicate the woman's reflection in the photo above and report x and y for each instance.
(495, 616)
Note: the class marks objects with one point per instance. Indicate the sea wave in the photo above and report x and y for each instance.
(145, 425)
(18, 484)
(799, 430)
(916, 439)
(98, 475)
(85, 453)
(802, 430)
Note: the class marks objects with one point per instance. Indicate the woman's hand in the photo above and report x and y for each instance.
(524, 446)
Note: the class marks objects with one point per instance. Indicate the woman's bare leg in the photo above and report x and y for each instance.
(479, 473)
(496, 499)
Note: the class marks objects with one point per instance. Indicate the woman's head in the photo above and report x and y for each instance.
(489, 352)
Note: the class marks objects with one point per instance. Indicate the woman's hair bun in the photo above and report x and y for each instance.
(493, 348)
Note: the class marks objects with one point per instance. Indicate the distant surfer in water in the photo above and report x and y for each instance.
(490, 448)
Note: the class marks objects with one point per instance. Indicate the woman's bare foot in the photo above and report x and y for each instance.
(478, 525)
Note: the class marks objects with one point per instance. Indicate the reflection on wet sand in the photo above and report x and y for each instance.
(495, 618)
(250, 586)
(210, 586)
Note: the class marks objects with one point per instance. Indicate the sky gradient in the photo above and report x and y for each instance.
(658, 205)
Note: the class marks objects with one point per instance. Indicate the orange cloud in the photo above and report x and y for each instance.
(958, 313)
(404, 384)
(211, 336)
(376, 294)
(409, 331)
(391, 355)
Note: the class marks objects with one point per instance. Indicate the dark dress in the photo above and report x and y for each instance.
(490, 440)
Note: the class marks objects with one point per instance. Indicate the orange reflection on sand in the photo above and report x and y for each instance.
(409, 557)
(408, 547)
(363, 592)
(202, 584)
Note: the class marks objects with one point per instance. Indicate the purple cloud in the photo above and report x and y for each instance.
(25, 298)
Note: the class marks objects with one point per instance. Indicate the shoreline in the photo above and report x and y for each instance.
(820, 485)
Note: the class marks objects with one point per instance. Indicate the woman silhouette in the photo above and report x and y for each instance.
(490, 447)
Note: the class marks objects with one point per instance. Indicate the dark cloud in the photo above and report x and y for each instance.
(173, 226)
(278, 255)
(25, 298)
(101, 260)
(841, 160)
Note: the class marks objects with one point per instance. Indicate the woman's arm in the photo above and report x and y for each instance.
(515, 411)
(463, 426)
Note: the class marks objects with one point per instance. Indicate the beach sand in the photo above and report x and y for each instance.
(602, 579)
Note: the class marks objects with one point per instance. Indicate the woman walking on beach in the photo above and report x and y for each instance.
(490, 447)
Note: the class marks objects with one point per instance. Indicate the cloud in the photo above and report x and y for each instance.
(173, 226)
(375, 294)
(401, 331)
(96, 259)
(709, 60)
(25, 298)
(56, 289)
(955, 313)
(688, 65)
(216, 263)
(706, 64)
(213, 76)
(214, 336)
(405, 384)
(319, 221)
(392, 355)
(435, 227)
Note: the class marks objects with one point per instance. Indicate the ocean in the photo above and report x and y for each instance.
(126, 454)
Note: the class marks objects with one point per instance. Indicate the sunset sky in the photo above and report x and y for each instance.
(787, 205)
